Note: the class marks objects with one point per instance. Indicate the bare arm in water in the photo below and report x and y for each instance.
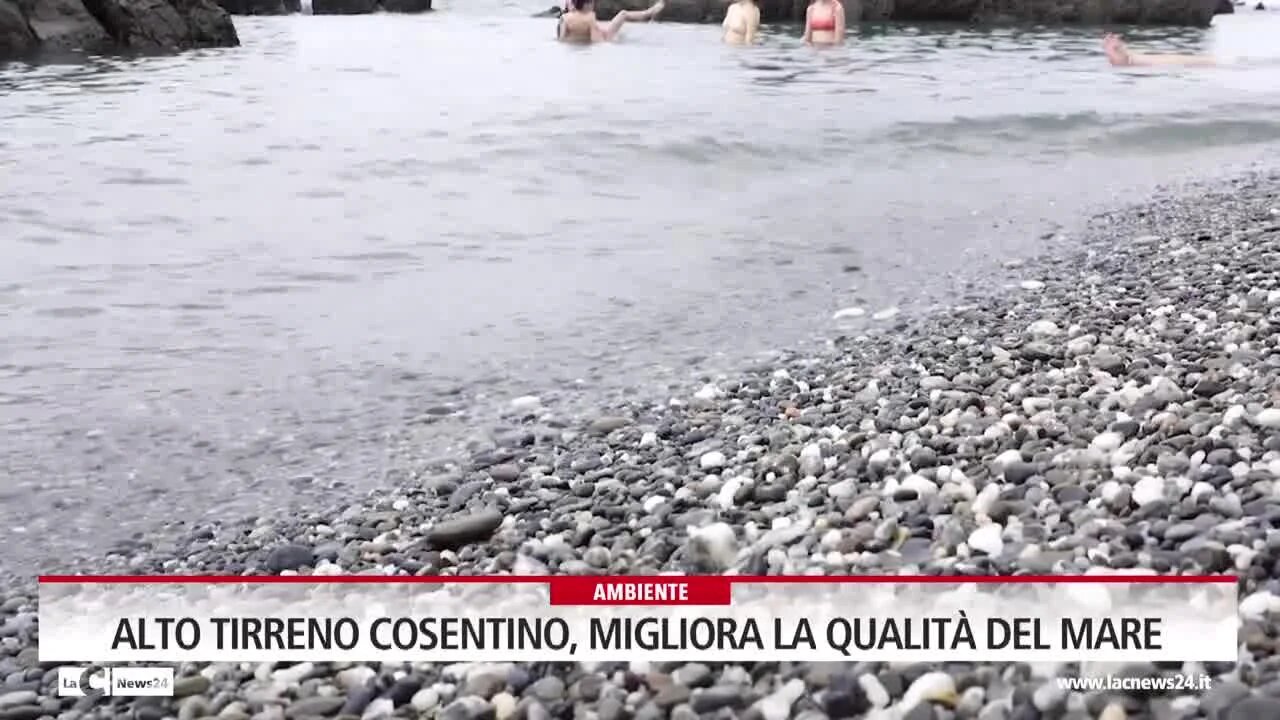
(610, 31)
(1119, 55)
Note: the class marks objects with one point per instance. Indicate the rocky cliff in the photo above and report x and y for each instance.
(324, 7)
(27, 26)
(1141, 12)
(261, 7)
(363, 7)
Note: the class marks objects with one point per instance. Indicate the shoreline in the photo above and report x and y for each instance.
(1152, 353)
(764, 287)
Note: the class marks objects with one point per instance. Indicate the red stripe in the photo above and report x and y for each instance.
(732, 579)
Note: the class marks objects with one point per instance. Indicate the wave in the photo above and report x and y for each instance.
(1236, 125)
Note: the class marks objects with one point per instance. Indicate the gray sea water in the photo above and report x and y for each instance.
(234, 281)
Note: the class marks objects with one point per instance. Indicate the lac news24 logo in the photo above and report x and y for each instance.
(94, 681)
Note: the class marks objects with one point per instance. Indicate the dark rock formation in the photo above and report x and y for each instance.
(16, 36)
(93, 25)
(165, 24)
(64, 25)
(260, 7)
(1141, 12)
(364, 7)
(343, 7)
(1225, 7)
(406, 6)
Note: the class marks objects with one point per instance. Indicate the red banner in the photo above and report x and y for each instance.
(662, 590)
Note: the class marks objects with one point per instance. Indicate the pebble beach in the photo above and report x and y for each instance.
(1111, 406)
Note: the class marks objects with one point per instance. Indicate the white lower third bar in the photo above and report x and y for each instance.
(120, 681)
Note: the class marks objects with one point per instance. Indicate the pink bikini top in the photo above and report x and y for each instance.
(825, 22)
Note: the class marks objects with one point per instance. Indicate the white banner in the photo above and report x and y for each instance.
(581, 619)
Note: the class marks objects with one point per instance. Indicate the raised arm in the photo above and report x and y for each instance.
(839, 17)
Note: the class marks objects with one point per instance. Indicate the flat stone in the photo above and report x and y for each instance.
(459, 531)
(504, 473)
(316, 706)
(289, 557)
(606, 425)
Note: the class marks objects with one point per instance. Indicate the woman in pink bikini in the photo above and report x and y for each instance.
(824, 22)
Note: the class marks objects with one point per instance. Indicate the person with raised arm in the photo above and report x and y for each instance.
(1120, 56)
(578, 24)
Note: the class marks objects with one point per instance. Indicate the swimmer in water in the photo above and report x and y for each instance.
(741, 22)
(1118, 54)
(579, 24)
(824, 22)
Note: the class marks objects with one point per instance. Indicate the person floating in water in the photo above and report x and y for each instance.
(579, 24)
(741, 22)
(1120, 56)
(824, 22)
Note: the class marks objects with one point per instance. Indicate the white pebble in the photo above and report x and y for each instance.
(1043, 327)
(811, 459)
(649, 439)
(526, 403)
(1107, 442)
(708, 392)
(777, 706)
(1148, 490)
(653, 503)
(713, 459)
(924, 487)
(1005, 458)
(504, 705)
(1269, 418)
(1258, 605)
(1113, 711)
(356, 677)
(425, 699)
(879, 459)
(716, 542)
(971, 701)
(843, 489)
(728, 491)
(931, 687)
(875, 691)
(885, 314)
(294, 674)
(379, 709)
(1031, 285)
(988, 539)
(982, 504)
(1111, 491)
(849, 312)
